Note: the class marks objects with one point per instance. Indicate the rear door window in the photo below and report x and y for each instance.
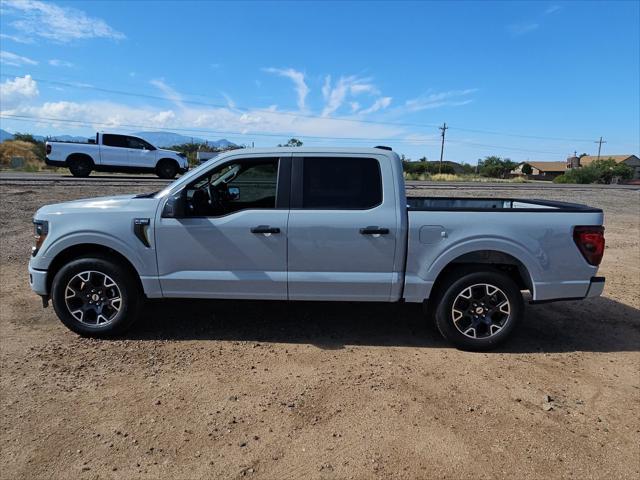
(341, 183)
(110, 140)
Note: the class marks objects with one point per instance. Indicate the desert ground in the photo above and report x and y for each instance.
(272, 390)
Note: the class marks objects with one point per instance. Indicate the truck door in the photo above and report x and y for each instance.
(342, 229)
(141, 153)
(114, 150)
(232, 241)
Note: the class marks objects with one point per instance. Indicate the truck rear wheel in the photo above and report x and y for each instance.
(95, 297)
(80, 166)
(167, 169)
(479, 310)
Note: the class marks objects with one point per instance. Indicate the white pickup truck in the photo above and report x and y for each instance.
(314, 224)
(111, 152)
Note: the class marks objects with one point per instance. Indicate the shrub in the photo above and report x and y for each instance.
(600, 171)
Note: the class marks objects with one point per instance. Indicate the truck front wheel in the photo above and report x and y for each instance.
(95, 297)
(479, 310)
(167, 169)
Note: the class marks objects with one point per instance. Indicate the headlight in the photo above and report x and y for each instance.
(41, 229)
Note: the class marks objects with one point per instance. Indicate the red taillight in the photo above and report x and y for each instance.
(48, 149)
(590, 241)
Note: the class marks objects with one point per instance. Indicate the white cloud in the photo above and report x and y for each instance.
(552, 9)
(355, 106)
(522, 28)
(168, 91)
(380, 104)
(163, 118)
(54, 62)
(435, 100)
(53, 22)
(15, 38)
(17, 91)
(229, 100)
(335, 96)
(99, 115)
(8, 58)
(302, 90)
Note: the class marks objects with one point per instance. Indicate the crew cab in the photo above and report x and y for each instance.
(111, 152)
(315, 225)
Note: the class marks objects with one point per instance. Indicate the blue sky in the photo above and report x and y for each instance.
(526, 80)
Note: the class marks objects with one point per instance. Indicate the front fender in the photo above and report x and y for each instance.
(43, 260)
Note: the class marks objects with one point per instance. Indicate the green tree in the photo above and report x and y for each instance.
(495, 167)
(293, 142)
(526, 169)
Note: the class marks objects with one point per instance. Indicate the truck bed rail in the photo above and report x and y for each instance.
(494, 205)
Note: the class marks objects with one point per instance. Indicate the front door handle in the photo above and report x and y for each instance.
(265, 229)
(374, 230)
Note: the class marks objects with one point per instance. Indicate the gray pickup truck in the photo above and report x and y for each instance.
(322, 224)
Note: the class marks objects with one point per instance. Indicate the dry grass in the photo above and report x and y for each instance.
(449, 177)
(17, 148)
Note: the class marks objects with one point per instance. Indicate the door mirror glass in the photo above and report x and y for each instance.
(234, 193)
(175, 207)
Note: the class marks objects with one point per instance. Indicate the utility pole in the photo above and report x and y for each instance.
(599, 142)
(444, 130)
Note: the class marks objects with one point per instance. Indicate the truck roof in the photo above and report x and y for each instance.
(312, 150)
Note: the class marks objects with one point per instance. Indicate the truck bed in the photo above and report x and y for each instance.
(538, 233)
(494, 204)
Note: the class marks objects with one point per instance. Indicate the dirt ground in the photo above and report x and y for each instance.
(273, 390)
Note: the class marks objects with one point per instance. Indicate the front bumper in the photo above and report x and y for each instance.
(38, 281)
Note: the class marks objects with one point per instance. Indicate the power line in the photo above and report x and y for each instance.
(32, 119)
(292, 114)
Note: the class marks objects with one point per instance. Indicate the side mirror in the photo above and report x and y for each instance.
(175, 206)
(234, 193)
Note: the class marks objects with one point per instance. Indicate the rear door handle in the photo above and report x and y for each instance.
(374, 230)
(265, 229)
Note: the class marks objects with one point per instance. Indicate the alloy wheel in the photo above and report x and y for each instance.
(480, 311)
(93, 298)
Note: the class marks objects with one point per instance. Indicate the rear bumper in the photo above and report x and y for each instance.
(595, 289)
(54, 163)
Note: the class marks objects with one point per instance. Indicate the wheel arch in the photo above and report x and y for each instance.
(87, 249)
(79, 156)
(484, 259)
(168, 159)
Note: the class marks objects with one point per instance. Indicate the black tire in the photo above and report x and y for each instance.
(70, 279)
(167, 169)
(481, 322)
(80, 166)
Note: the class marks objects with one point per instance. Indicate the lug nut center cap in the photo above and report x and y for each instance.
(479, 310)
(95, 297)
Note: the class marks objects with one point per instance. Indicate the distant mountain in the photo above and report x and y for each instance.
(167, 139)
(67, 138)
(4, 135)
(159, 139)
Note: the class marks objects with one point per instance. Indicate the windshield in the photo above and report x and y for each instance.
(192, 173)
